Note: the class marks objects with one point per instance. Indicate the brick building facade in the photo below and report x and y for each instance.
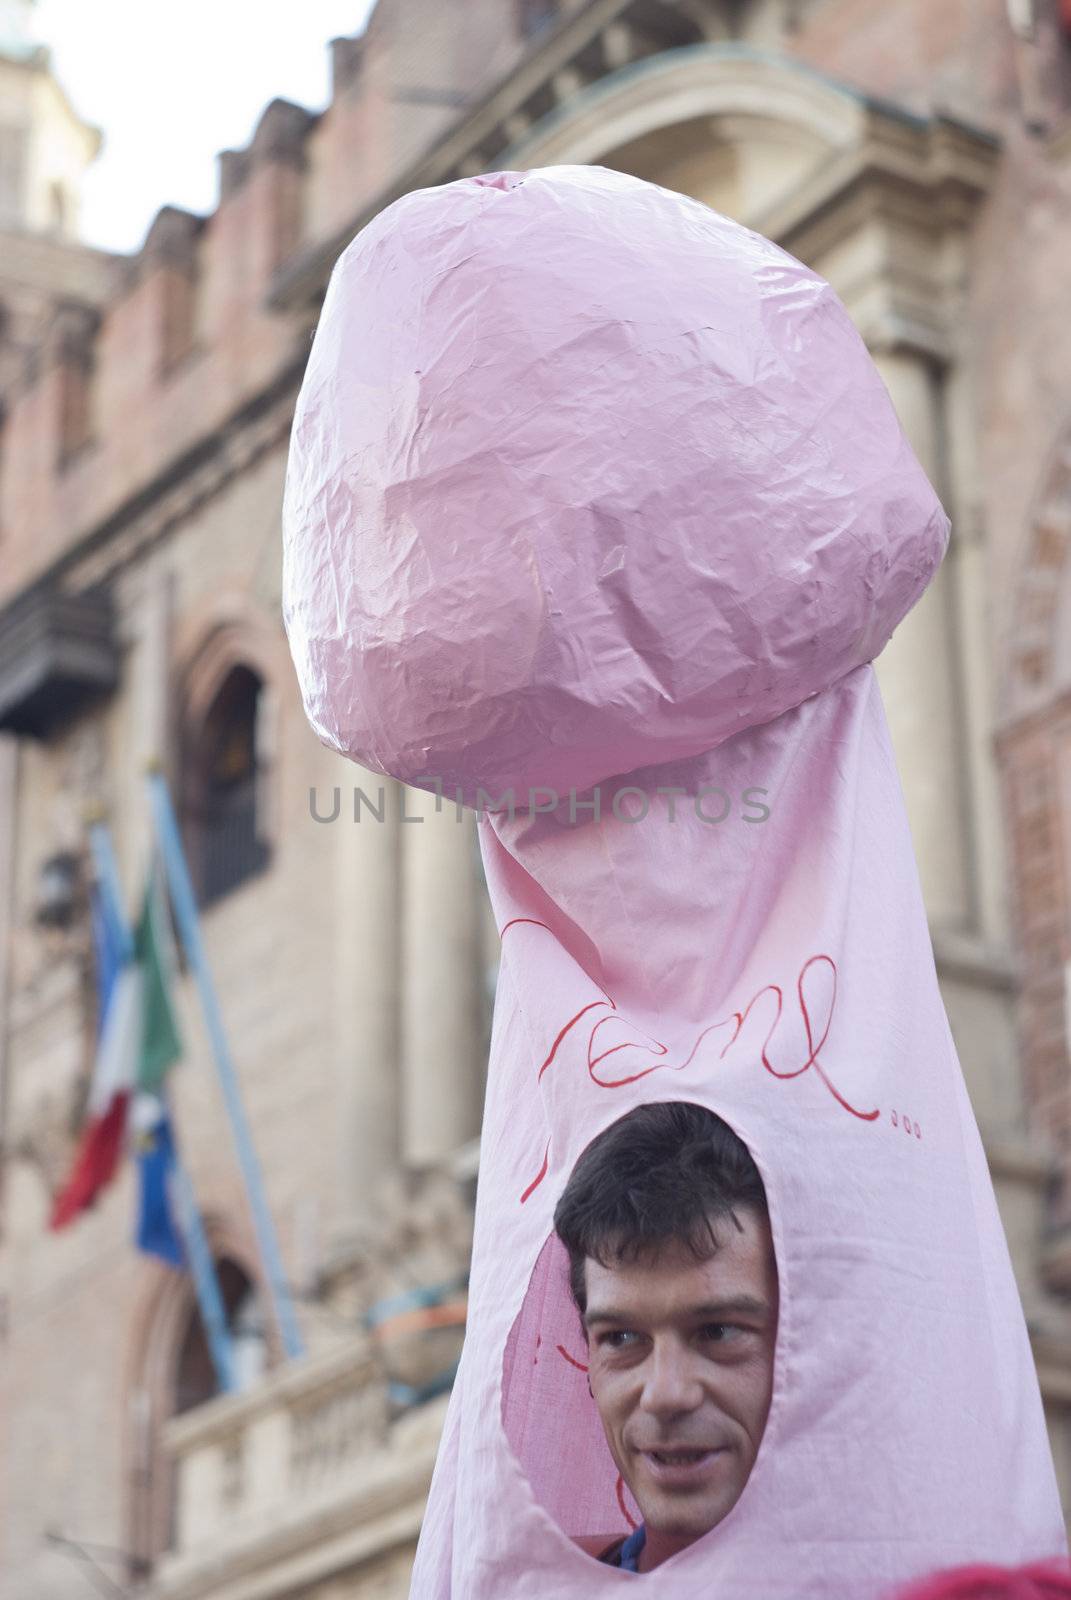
(919, 156)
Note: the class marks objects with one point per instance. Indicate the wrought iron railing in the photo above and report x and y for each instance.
(230, 848)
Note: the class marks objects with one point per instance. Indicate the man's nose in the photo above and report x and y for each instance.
(671, 1383)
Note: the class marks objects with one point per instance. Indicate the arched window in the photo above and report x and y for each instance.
(174, 1374)
(225, 828)
(195, 1376)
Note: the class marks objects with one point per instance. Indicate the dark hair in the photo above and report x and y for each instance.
(661, 1172)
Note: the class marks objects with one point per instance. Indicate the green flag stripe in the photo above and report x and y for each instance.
(161, 1045)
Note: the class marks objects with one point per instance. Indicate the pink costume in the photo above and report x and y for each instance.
(590, 485)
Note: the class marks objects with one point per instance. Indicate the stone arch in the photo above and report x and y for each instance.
(165, 1309)
(228, 630)
(773, 121)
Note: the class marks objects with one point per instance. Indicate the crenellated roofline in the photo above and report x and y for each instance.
(208, 330)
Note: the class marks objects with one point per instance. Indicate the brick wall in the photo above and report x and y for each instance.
(1036, 802)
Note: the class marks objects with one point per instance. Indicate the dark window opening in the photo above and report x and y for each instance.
(222, 812)
(195, 1374)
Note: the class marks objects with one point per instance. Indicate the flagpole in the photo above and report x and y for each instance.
(182, 898)
(209, 1298)
(100, 845)
(198, 1254)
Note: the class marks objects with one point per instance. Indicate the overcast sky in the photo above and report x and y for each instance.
(172, 85)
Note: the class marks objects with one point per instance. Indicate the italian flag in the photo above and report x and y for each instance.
(137, 1043)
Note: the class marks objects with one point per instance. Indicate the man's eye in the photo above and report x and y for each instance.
(722, 1332)
(617, 1338)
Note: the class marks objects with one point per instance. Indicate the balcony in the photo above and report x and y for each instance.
(303, 1480)
(57, 652)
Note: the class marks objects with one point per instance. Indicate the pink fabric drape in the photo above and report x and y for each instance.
(590, 486)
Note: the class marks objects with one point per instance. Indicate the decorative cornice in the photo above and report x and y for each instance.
(717, 78)
(910, 179)
(914, 175)
(931, 173)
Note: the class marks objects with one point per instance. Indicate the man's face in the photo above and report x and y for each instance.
(680, 1357)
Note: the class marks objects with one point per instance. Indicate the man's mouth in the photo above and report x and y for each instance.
(681, 1467)
(677, 1457)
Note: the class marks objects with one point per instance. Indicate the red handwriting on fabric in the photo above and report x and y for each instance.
(604, 1077)
(625, 1512)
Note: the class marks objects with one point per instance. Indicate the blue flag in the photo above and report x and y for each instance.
(154, 1149)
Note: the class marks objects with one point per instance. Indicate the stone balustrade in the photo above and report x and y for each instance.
(301, 1482)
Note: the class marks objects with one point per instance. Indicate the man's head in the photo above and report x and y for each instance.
(673, 1273)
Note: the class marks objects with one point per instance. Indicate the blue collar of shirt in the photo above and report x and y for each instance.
(630, 1550)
